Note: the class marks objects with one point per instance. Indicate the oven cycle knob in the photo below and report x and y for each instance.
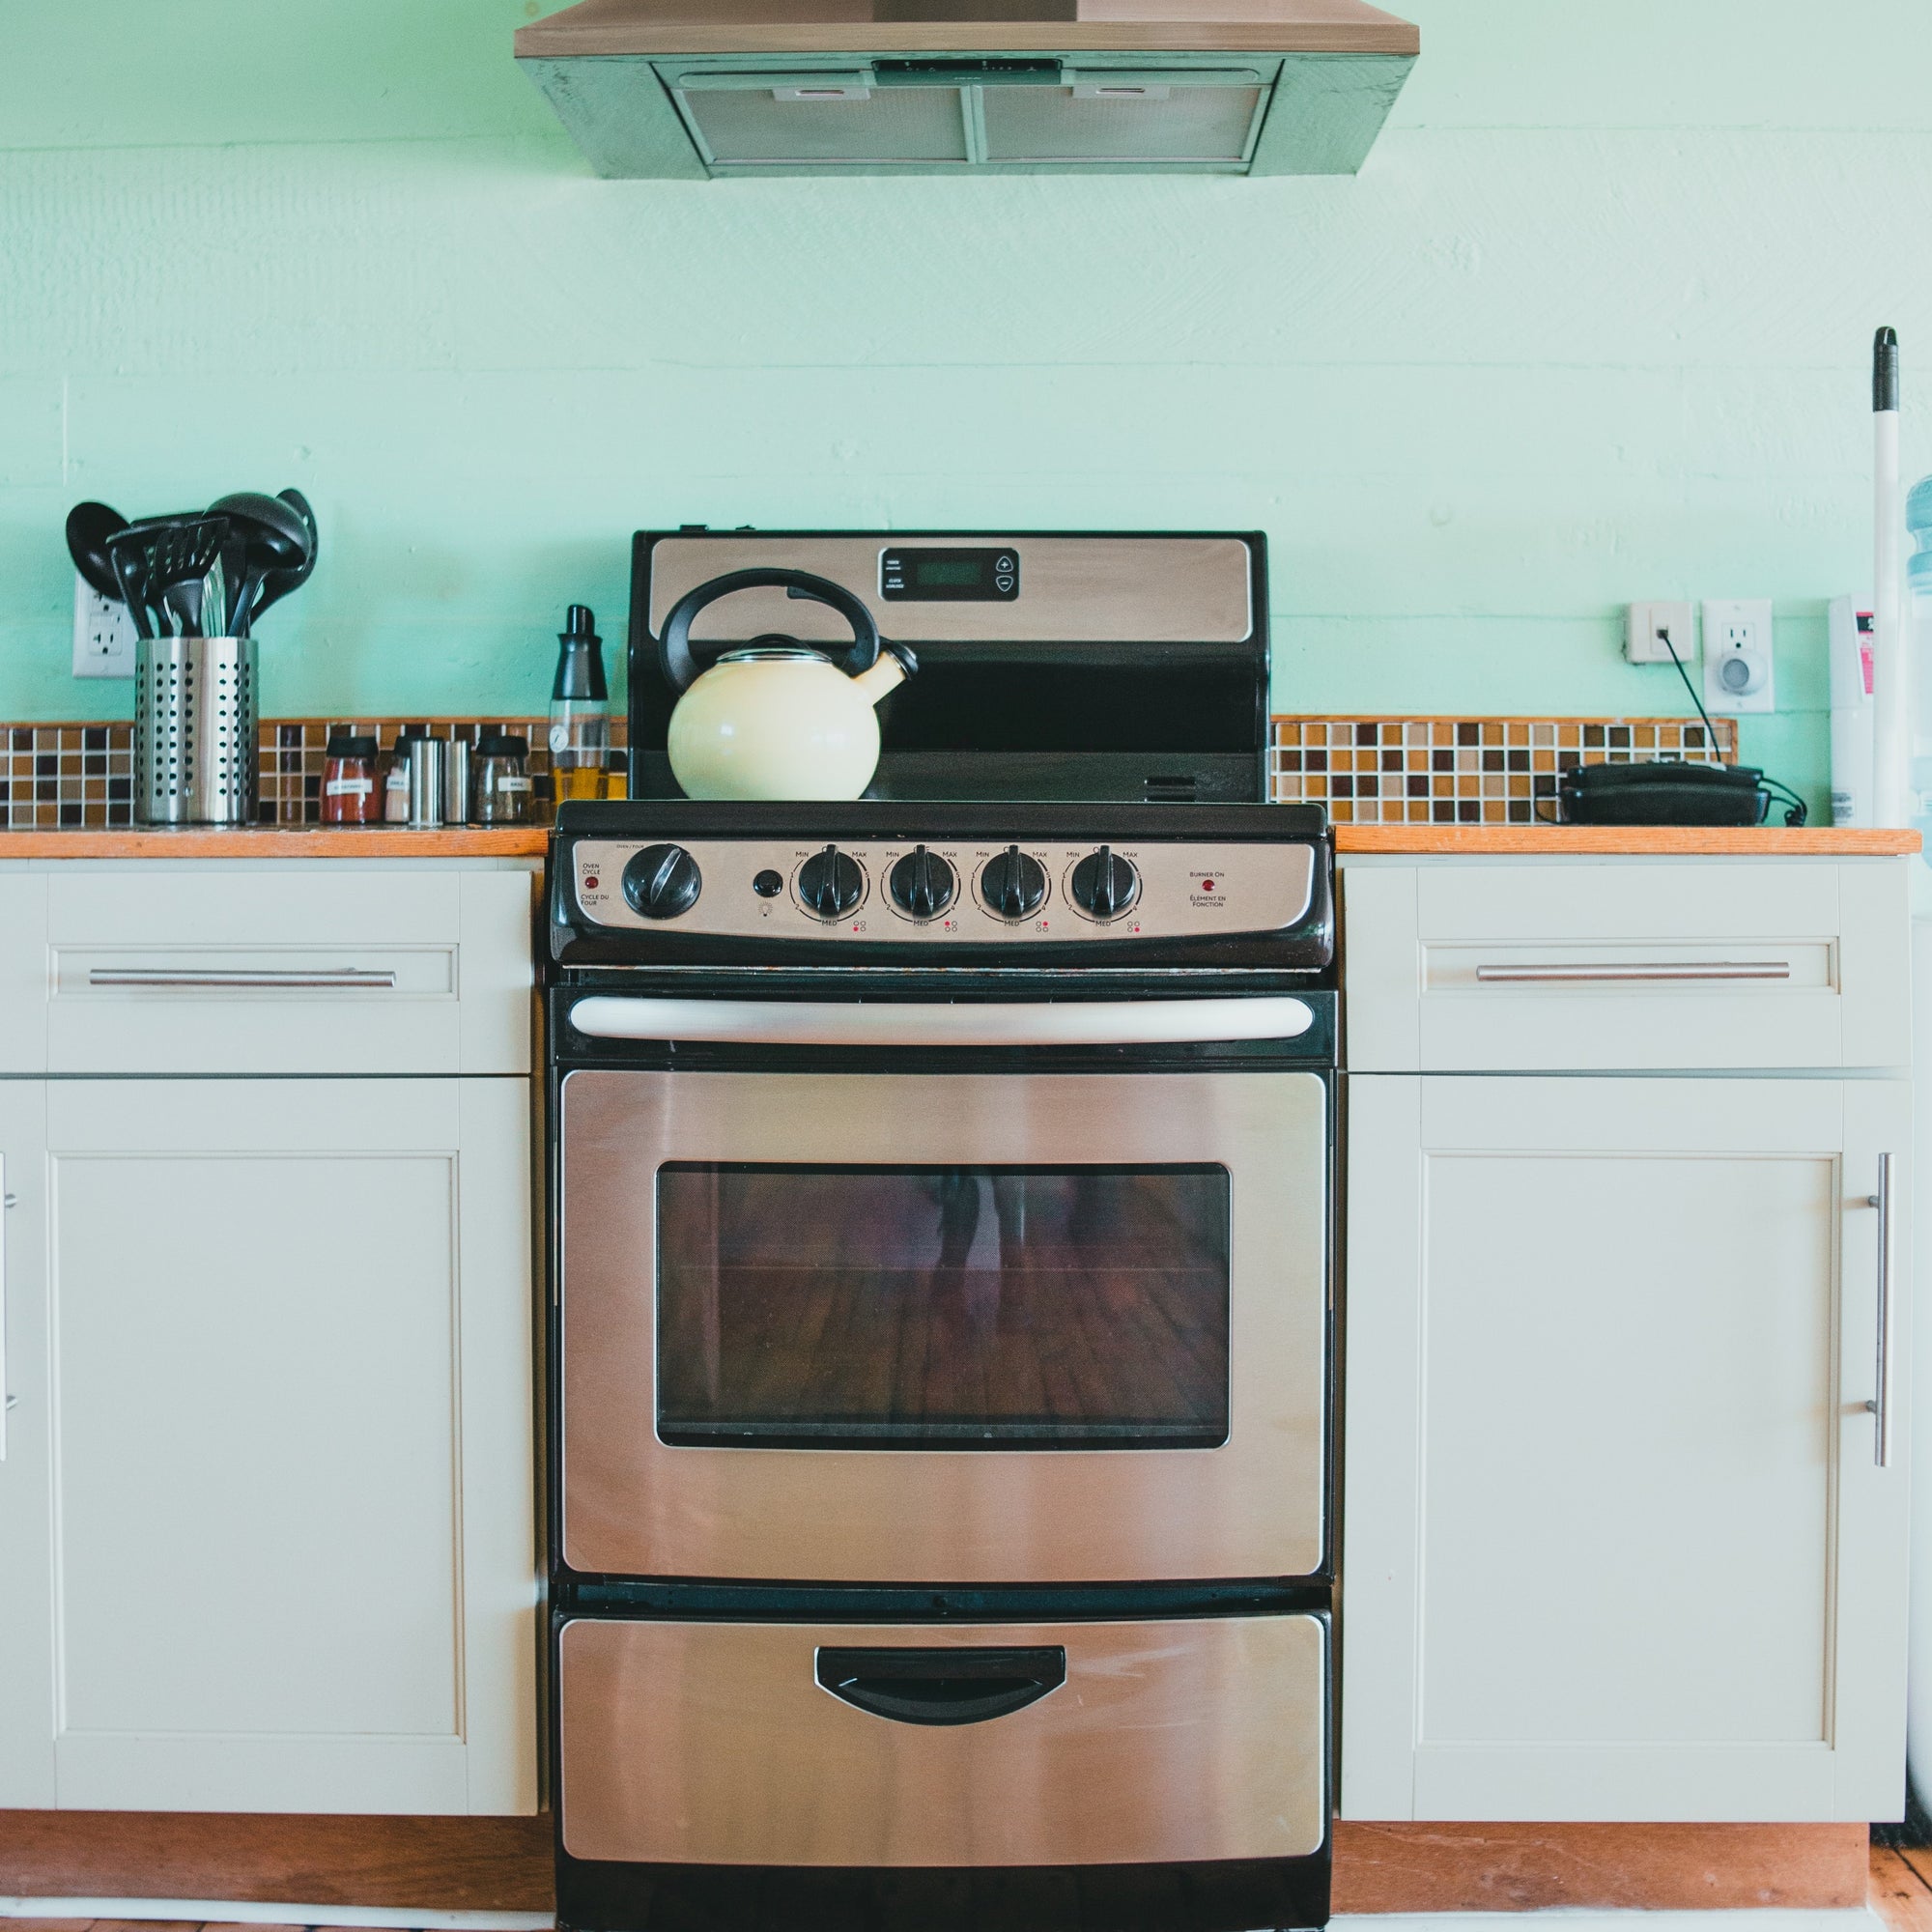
(922, 883)
(662, 881)
(831, 884)
(1014, 884)
(1104, 885)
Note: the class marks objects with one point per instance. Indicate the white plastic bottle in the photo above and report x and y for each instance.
(1917, 641)
(1851, 673)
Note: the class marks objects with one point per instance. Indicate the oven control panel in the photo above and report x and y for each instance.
(952, 891)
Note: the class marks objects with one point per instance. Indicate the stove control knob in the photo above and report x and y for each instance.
(1104, 885)
(662, 881)
(1014, 884)
(831, 884)
(922, 883)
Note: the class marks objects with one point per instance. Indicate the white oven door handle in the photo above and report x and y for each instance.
(884, 1023)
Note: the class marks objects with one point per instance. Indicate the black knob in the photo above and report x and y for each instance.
(662, 881)
(1104, 885)
(831, 884)
(922, 885)
(1013, 885)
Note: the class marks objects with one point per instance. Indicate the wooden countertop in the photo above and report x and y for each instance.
(529, 841)
(1756, 841)
(509, 841)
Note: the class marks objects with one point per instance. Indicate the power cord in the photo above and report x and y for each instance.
(1796, 809)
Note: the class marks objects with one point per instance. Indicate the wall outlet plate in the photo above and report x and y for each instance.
(1737, 655)
(104, 634)
(1645, 626)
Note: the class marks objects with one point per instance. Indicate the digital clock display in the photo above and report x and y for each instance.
(954, 575)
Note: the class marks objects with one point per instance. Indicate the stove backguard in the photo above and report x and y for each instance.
(1090, 668)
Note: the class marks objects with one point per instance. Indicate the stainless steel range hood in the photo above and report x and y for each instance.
(698, 89)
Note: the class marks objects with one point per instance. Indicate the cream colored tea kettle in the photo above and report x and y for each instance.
(777, 719)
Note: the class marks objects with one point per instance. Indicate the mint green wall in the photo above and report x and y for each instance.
(1593, 324)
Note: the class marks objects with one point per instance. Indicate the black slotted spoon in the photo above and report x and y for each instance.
(161, 568)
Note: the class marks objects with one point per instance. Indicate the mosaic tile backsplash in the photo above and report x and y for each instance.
(1367, 770)
(82, 775)
(1467, 771)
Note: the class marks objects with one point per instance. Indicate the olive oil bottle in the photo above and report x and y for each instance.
(579, 711)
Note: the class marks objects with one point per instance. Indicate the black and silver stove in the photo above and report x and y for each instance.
(942, 1364)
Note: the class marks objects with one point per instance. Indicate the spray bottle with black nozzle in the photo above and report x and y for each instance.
(579, 711)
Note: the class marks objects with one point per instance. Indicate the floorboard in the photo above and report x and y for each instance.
(1899, 1892)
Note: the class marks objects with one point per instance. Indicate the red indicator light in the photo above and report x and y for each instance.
(591, 884)
(1206, 885)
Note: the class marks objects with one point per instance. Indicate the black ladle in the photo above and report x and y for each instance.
(279, 583)
(89, 526)
(277, 539)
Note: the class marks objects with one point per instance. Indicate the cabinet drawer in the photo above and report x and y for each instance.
(298, 970)
(1153, 1741)
(1582, 964)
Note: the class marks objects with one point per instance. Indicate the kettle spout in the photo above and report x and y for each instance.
(886, 675)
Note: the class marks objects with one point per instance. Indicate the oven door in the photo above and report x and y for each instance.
(959, 1328)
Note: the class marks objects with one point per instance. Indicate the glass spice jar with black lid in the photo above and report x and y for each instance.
(348, 794)
(502, 793)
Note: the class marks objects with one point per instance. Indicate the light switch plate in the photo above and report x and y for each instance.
(1737, 655)
(1645, 626)
(104, 634)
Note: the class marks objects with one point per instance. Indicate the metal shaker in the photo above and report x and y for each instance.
(429, 767)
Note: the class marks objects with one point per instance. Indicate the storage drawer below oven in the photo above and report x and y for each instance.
(1117, 1743)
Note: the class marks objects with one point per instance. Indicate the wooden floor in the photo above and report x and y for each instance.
(1901, 1894)
(1901, 1887)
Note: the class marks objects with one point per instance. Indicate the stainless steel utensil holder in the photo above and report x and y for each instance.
(194, 731)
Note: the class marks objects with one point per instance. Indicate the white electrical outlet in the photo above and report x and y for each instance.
(104, 634)
(1737, 655)
(1647, 625)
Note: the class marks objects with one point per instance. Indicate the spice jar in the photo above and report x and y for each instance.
(348, 781)
(503, 784)
(396, 785)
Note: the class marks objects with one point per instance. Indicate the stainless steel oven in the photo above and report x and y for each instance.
(942, 1356)
(988, 1328)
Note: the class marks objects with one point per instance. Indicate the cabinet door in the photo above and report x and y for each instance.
(293, 1543)
(26, 1496)
(23, 972)
(1614, 1542)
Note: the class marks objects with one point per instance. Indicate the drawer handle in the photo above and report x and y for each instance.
(942, 1686)
(221, 978)
(1638, 969)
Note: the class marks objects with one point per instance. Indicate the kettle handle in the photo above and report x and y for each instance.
(680, 668)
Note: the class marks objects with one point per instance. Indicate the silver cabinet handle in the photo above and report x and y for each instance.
(222, 978)
(1663, 969)
(884, 1023)
(1881, 1403)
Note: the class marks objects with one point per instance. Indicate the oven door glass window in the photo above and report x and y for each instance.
(952, 1308)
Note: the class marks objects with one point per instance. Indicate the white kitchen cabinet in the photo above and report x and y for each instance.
(292, 1559)
(1572, 964)
(24, 973)
(1614, 1543)
(26, 1513)
(319, 968)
